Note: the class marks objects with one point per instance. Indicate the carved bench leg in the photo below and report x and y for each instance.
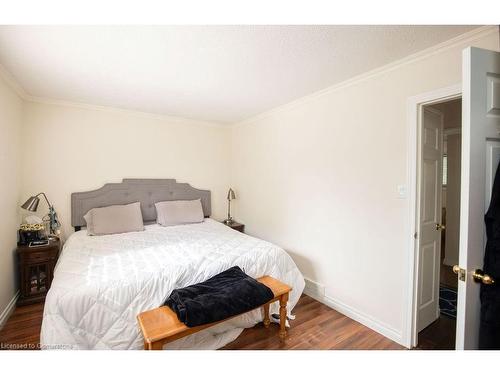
(266, 320)
(283, 302)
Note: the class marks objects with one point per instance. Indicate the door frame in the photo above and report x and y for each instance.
(414, 124)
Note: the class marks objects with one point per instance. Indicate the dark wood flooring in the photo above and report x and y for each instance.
(22, 330)
(316, 327)
(440, 335)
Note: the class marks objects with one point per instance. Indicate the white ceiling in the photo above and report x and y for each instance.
(216, 73)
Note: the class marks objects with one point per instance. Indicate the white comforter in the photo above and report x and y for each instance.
(102, 283)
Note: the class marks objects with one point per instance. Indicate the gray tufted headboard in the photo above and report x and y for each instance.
(146, 191)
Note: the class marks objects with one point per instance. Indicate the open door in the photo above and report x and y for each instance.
(480, 132)
(429, 228)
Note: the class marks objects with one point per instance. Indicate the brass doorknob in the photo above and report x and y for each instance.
(460, 272)
(440, 226)
(480, 277)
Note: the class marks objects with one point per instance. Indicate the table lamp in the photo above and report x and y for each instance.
(32, 204)
(230, 197)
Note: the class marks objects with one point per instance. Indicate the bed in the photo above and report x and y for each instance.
(101, 283)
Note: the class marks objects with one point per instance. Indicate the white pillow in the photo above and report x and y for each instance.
(114, 219)
(179, 212)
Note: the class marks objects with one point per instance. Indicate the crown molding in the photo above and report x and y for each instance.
(21, 92)
(12, 83)
(123, 111)
(470, 36)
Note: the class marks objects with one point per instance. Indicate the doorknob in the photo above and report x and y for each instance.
(460, 272)
(440, 226)
(480, 277)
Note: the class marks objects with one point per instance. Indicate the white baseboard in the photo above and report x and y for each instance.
(317, 291)
(313, 288)
(9, 309)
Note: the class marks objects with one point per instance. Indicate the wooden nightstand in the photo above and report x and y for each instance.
(236, 226)
(36, 270)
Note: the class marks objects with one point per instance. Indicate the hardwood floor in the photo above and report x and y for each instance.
(440, 335)
(316, 327)
(22, 330)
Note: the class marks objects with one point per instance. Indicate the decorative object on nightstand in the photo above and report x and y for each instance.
(31, 233)
(32, 204)
(230, 197)
(36, 270)
(236, 226)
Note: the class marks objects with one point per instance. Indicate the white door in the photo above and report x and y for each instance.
(429, 231)
(480, 124)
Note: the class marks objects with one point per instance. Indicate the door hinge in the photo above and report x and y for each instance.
(415, 235)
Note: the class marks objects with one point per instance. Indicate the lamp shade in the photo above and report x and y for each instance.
(231, 195)
(31, 204)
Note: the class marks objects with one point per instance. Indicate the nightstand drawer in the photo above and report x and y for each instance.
(38, 256)
(34, 257)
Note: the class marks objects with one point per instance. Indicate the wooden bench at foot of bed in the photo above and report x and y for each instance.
(161, 325)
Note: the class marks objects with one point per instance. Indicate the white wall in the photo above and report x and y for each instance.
(79, 148)
(319, 178)
(10, 188)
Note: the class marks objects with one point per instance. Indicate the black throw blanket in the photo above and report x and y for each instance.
(489, 329)
(227, 294)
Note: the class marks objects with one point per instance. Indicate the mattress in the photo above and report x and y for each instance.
(101, 283)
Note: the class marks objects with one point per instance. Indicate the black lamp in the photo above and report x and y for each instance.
(32, 204)
(230, 197)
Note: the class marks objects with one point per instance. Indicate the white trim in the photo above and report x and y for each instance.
(360, 317)
(466, 38)
(313, 288)
(12, 83)
(9, 309)
(150, 115)
(414, 105)
(19, 90)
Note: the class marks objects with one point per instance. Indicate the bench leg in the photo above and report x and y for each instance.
(157, 345)
(266, 320)
(283, 302)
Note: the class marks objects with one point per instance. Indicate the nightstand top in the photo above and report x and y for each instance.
(236, 226)
(232, 224)
(52, 243)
